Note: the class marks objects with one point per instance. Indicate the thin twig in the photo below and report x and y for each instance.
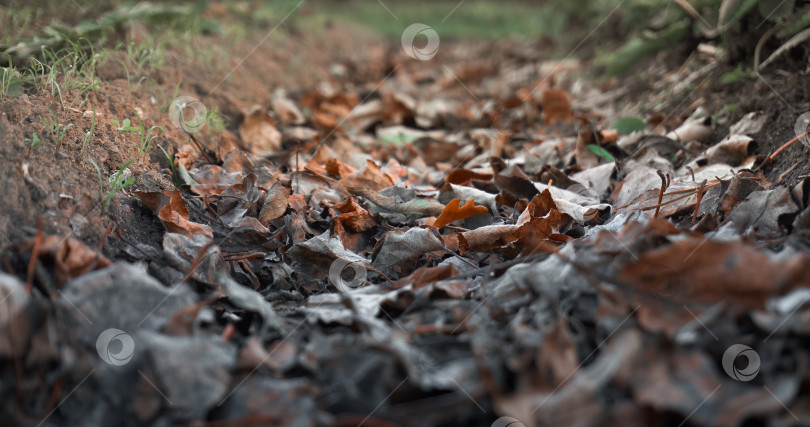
(197, 261)
(29, 283)
(701, 192)
(786, 145)
(199, 147)
(661, 194)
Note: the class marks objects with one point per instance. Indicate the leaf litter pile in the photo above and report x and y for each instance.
(445, 246)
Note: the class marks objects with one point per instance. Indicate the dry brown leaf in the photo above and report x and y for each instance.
(371, 177)
(169, 207)
(287, 112)
(352, 216)
(463, 176)
(557, 105)
(703, 270)
(71, 257)
(455, 212)
(537, 229)
(259, 132)
(275, 203)
(424, 276)
(335, 167)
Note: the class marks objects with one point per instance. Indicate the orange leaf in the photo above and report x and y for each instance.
(463, 176)
(454, 212)
(169, 207)
(557, 105)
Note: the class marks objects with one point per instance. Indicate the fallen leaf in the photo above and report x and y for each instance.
(557, 106)
(275, 203)
(259, 132)
(169, 207)
(455, 212)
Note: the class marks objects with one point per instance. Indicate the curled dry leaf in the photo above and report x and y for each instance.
(259, 132)
(372, 177)
(455, 212)
(275, 203)
(537, 229)
(424, 276)
(287, 112)
(169, 207)
(71, 257)
(423, 206)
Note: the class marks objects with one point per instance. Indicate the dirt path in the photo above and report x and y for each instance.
(382, 233)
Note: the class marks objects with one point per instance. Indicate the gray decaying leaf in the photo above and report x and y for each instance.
(290, 402)
(121, 296)
(453, 191)
(398, 246)
(314, 257)
(760, 213)
(13, 300)
(181, 251)
(750, 124)
(194, 372)
(250, 300)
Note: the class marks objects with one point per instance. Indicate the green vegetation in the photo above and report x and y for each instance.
(785, 20)
(124, 126)
(627, 125)
(35, 141)
(180, 175)
(116, 183)
(90, 132)
(601, 152)
(736, 76)
(56, 129)
(145, 137)
(474, 18)
(215, 120)
(10, 82)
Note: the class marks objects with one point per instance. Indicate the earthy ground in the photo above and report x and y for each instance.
(518, 254)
